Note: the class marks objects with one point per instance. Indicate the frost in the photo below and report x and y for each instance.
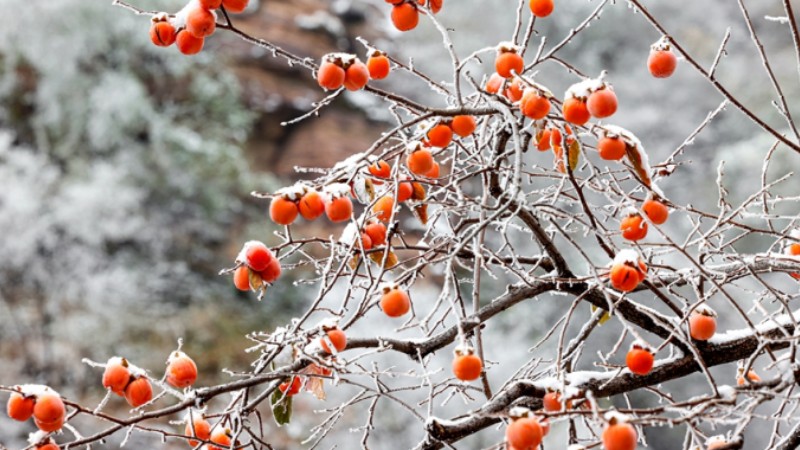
(727, 392)
(627, 256)
(337, 190)
(584, 88)
(779, 19)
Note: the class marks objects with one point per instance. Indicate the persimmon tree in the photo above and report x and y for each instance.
(507, 184)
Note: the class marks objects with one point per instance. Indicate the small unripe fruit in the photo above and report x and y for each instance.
(181, 370)
(395, 303)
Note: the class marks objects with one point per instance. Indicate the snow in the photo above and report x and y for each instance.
(293, 192)
(507, 46)
(616, 416)
(337, 190)
(583, 89)
(627, 255)
(727, 392)
(242, 256)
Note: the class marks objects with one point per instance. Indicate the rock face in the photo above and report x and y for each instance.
(278, 92)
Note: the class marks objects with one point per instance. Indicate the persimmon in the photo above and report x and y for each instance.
(662, 63)
(139, 392)
(199, 428)
(379, 66)
(221, 437)
(290, 388)
(383, 208)
(235, 6)
(201, 22)
(188, 44)
(48, 446)
(575, 111)
(624, 277)
(257, 255)
(377, 232)
(420, 161)
(311, 205)
(702, 323)
(404, 191)
(524, 433)
(241, 278)
(633, 227)
(508, 63)
(380, 169)
(435, 5)
(339, 209)
(542, 8)
(366, 242)
(330, 76)
(463, 125)
(752, 377)
(552, 402)
(494, 83)
(210, 4)
(49, 407)
(794, 250)
(356, 76)
(435, 171)
(20, 407)
(467, 366)
(49, 427)
(116, 375)
(619, 436)
(611, 148)
(534, 105)
(272, 272)
(395, 302)
(283, 211)
(639, 359)
(440, 135)
(514, 90)
(602, 103)
(181, 370)
(162, 33)
(656, 211)
(337, 338)
(405, 16)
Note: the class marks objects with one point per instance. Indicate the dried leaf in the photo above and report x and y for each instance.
(574, 147)
(418, 192)
(422, 213)
(638, 164)
(315, 384)
(256, 282)
(391, 259)
(604, 318)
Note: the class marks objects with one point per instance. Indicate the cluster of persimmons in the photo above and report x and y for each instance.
(189, 28)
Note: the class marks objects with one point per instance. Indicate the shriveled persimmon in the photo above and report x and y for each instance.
(380, 169)
(383, 208)
(162, 33)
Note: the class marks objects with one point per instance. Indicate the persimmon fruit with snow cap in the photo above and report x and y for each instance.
(162, 33)
(467, 366)
(662, 63)
(201, 22)
(337, 338)
(602, 103)
(611, 148)
(116, 375)
(619, 436)
(330, 75)
(49, 408)
(524, 433)
(283, 211)
(258, 256)
(20, 407)
(639, 360)
(395, 302)
(181, 370)
(508, 62)
(534, 105)
(575, 111)
(356, 76)
(339, 209)
(702, 324)
(311, 205)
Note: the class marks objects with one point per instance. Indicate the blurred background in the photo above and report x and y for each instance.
(125, 173)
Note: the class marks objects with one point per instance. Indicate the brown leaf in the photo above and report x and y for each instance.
(422, 213)
(574, 147)
(638, 164)
(316, 385)
(419, 191)
(377, 258)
